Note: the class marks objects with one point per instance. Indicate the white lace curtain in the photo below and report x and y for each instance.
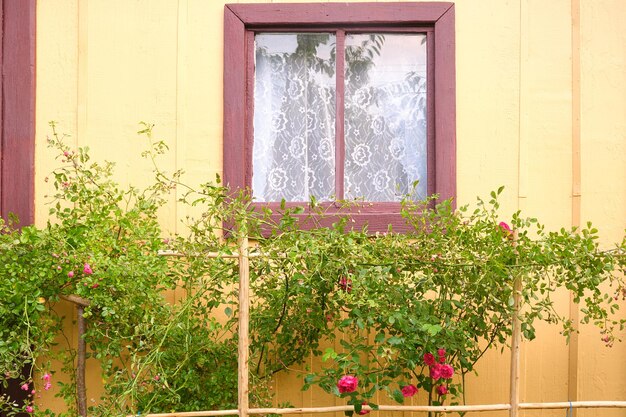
(294, 117)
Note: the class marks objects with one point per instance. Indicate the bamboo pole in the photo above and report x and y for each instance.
(81, 352)
(409, 408)
(193, 414)
(516, 340)
(244, 310)
(385, 408)
(573, 404)
(215, 255)
(81, 390)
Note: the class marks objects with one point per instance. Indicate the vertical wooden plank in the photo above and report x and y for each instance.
(522, 183)
(603, 147)
(572, 386)
(576, 161)
(244, 307)
(523, 159)
(82, 73)
(18, 112)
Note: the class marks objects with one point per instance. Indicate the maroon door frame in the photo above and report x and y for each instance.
(17, 109)
(17, 125)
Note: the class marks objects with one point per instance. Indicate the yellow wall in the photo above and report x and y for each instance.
(536, 81)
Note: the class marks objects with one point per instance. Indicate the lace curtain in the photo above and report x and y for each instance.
(294, 117)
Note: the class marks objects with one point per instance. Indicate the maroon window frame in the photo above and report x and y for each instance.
(241, 21)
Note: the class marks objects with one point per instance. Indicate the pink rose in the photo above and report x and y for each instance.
(435, 371)
(87, 270)
(47, 386)
(46, 377)
(506, 230)
(409, 390)
(347, 383)
(441, 352)
(29, 409)
(505, 227)
(25, 387)
(364, 411)
(70, 274)
(447, 371)
(429, 359)
(345, 284)
(442, 390)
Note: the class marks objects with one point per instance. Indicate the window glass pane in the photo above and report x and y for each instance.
(385, 116)
(294, 117)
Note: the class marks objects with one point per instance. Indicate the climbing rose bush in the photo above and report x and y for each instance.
(406, 315)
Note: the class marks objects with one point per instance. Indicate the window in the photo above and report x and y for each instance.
(340, 101)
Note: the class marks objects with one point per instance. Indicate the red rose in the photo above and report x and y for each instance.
(409, 390)
(447, 371)
(429, 359)
(435, 371)
(364, 411)
(442, 390)
(347, 383)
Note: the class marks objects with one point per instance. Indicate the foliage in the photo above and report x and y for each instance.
(392, 312)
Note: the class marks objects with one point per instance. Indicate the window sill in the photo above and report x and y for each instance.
(376, 217)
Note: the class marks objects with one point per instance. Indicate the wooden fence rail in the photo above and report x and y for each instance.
(408, 408)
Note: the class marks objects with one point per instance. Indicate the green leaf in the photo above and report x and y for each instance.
(397, 396)
(329, 353)
(394, 340)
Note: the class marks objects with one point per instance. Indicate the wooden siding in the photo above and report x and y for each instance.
(540, 98)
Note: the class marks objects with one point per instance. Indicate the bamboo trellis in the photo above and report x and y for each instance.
(243, 410)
